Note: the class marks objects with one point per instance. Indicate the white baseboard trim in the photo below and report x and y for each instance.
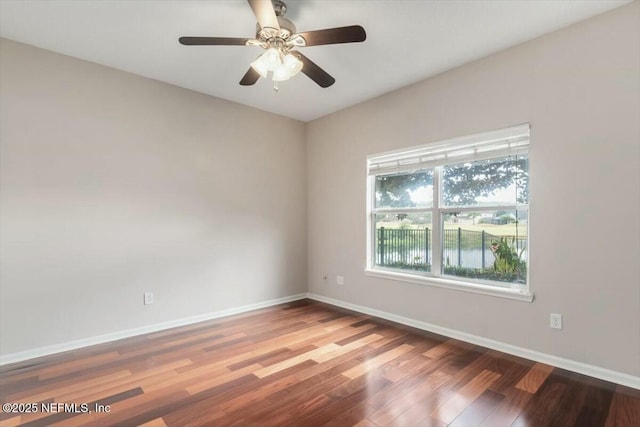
(100, 339)
(560, 362)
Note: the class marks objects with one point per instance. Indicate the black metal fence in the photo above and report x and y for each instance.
(462, 248)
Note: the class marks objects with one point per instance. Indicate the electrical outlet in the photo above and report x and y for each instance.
(555, 321)
(340, 280)
(148, 298)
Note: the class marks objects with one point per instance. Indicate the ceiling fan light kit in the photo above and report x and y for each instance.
(278, 36)
(282, 65)
(290, 67)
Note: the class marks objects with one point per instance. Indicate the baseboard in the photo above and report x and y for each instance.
(571, 365)
(100, 339)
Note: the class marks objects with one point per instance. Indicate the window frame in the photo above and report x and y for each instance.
(436, 276)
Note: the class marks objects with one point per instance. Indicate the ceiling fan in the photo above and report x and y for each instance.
(277, 35)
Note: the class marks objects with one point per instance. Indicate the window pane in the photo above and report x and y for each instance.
(488, 245)
(403, 241)
(405, 190)
(491, 182)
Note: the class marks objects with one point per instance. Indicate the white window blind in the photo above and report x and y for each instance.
(500, 143)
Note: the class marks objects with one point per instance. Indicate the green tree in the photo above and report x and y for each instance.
(393, 190)
(462, 183)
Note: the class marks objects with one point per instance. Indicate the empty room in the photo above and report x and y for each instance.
(320, 213)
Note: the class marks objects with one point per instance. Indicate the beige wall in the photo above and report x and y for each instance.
(579, 90)
(114, 184)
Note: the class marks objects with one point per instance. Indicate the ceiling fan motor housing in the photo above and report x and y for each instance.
(286, 29)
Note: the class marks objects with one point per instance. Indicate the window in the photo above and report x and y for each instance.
(454, 211)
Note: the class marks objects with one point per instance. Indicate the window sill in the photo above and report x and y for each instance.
(476, 288)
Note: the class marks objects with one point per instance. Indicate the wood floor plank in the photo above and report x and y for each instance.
(219, 379)
(420, 413)
(532, 381)
(339, 350)
(308, 364)
(64, 416)
(315, 379)
(71, 386)
(404, 366)
(508, 409)
(405, 420)
(542, 408)
(510, 369)
(379, 360)
(415, 394)
(442, 349)
(574, 401)
(344, 335)
(261, 373)
(344, 398)
(449, 410)
(432, 368)
(350, 417)
(158, 422)
(479, 409)
(362, 330)
(12, 422)
(143, 378)
(625, 408)
(291, 406)
(224, 409)
(72, 365)
(365, 423)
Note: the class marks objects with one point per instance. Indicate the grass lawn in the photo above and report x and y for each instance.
(496, 230)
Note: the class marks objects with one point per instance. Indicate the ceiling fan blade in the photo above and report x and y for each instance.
(314, 72)
(221, 41)
(351, 34)
(266, 15)
(250, 77)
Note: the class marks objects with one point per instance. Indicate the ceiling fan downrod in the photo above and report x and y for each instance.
(279, 7)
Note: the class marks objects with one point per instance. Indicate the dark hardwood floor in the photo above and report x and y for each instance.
(305, 364)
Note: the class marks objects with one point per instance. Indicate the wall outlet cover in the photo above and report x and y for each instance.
(148, 298)
(555, 321)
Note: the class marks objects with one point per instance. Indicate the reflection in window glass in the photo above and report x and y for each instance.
(503, 181)
(406, 190)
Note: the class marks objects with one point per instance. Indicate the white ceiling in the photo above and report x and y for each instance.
(407, 41)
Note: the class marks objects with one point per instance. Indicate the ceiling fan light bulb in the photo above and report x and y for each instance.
(282, 73)
(273, 58)
(290, 66)
(293, 64)
(261, 67)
